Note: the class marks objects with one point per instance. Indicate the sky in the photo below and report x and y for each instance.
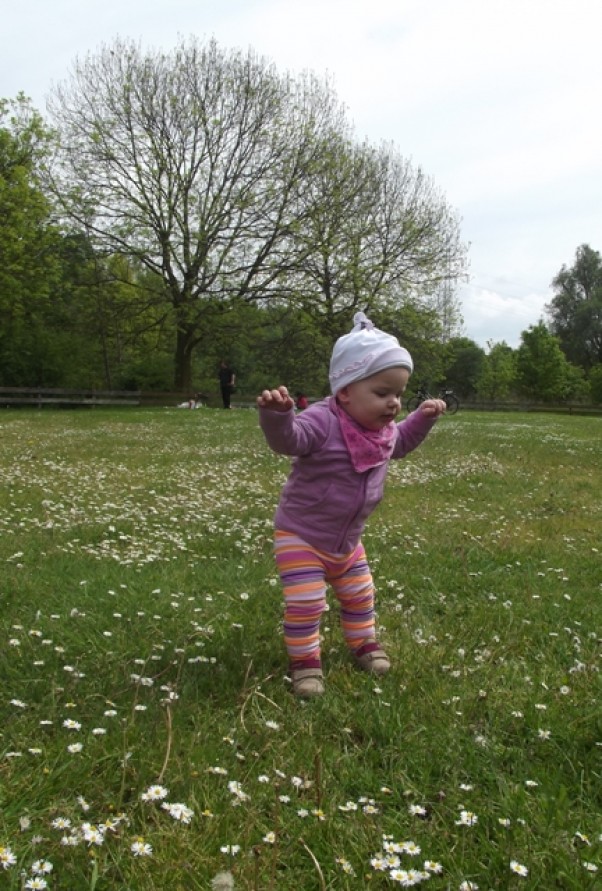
(497, 101)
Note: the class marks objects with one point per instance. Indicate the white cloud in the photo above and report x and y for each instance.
(491, 316)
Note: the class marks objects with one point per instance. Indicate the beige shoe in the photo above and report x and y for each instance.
(372, 658)
(307, 682)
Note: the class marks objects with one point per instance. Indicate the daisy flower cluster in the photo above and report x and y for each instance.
(178, 811)
(395, 861)
(80, 496)
(73, 833)
(68, 834)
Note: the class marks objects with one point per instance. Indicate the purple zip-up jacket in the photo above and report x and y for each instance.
(325, 501)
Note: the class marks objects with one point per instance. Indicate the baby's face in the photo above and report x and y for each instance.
(375, 401)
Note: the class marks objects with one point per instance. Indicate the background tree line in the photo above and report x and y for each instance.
(179, 208)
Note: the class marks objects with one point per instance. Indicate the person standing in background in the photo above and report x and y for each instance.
(227, 382)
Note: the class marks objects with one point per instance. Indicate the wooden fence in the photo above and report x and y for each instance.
(71, 398)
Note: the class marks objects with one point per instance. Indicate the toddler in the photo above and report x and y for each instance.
(342, 446)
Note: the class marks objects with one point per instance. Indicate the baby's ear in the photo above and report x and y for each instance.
(343, 395)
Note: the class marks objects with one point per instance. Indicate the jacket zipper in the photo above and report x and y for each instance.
(360, 501)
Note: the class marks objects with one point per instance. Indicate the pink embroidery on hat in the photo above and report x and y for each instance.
(353, 367)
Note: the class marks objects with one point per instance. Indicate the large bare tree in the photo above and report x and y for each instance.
(193, 162)
(375, 233)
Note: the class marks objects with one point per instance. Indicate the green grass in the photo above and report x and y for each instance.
(139, 600)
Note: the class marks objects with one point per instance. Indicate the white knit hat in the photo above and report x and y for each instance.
(366, 350)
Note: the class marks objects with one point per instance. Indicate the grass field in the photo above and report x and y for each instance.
(149, 738)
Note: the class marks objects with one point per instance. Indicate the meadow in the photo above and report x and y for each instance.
(149, 738)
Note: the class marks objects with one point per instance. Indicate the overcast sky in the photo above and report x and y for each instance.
(498, 101)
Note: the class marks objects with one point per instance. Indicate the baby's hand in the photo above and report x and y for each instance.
(276, 400)
(432, 408)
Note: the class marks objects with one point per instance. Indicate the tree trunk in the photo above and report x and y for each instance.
(183, 361)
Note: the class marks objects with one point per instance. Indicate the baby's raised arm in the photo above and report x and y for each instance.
(276, 400)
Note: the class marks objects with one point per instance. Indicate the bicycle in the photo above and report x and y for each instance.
(449, 397)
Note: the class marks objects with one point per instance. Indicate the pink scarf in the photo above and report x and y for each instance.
(367, 448)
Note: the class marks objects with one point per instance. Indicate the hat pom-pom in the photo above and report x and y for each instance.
(360, 321)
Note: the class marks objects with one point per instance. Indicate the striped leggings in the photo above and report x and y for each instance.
(305, 571)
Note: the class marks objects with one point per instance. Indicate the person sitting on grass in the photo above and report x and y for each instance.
(301, 401)
(342, 446)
